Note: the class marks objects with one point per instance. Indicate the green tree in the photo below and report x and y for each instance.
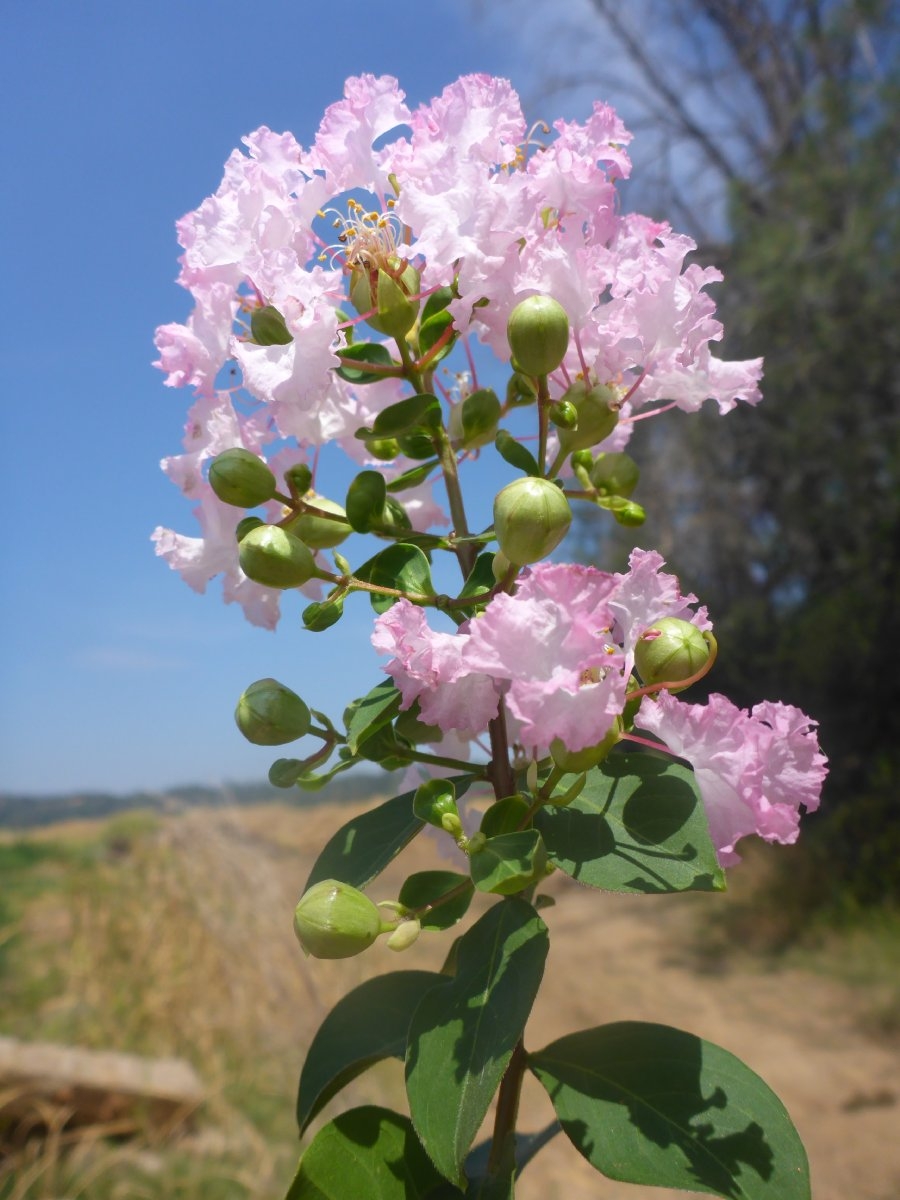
(786, 519)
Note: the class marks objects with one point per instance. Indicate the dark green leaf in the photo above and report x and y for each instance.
(362, 353)
(363, 847)
(413, 477)
(638, 826)
(504, 816)
(365, 1154)
(402, 566)
(368, 1025)
(365, 500)
(407, 415)
(648, 1104)
(462, 1035)
(431, 331)
(509, 862)
(515, 453)
(383, 746)
(437, 302)
(481, 577)
(416, 445)
(424, 888)
(364, 716)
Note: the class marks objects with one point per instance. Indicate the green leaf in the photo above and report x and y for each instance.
(432, 331)
(509, 862)
(638, 826)
(649, 1104)
(412, 413)
(481, 577)
(402, 566)
(368, 1025)
(413, 477)
(362, 353)
(363, 847)
(426, 887)
(516, 454)
(462, 1035)
(384, 747)
(437, 302)
(364, 716)
(365, 500)
(366, 1154)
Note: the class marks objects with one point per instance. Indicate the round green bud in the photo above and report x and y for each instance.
(670, 650)
(630, 514)
(582, 460)
(575, 761)
(384, 449)
(615, 474)
(268, 328)
(520, 390)
(334, 920)
(597, 416)
(318, 532)
(299, 479)
(391, 296)
(564, 414)
(244, 526)
(270, 714)
(241, 478)
(275, 558)
(321, 615)
(531, 518)
(538, 334)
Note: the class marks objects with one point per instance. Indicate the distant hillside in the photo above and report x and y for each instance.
(19, 811)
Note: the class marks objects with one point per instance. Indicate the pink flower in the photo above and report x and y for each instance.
(754, 770)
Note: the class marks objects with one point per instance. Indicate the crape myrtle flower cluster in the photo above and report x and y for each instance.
(300, 251)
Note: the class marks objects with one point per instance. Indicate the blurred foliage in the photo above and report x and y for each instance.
(786, 518)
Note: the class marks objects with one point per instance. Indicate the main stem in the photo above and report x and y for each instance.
(507, 1107)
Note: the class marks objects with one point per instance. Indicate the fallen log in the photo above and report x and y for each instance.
(44, 1085)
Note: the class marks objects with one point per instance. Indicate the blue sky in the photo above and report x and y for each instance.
(119, 119)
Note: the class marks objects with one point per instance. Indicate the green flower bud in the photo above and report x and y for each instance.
(275, 558)
(630, 514)
(670, 650)
(434, 800)
(531, 518)
(615, 474)
(538, 334)
(241, 478)
(244, 526)
(404, 935)
(582, 460)
(268, 328)
(520, 390)
(575, 761)
(321, 615)
(598, 416)
(392, 294)
(500, 566)
(334, 920)
(270, 714)
(473, 423)
(384, 449)
(318, 532)
(299, 479)
(564, 414)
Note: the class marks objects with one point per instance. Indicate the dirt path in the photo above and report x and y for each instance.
(797, 1030)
